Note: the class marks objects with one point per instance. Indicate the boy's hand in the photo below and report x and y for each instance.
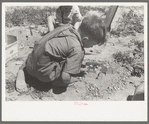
(74, 79)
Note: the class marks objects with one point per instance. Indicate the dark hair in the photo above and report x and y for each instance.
(93, 26)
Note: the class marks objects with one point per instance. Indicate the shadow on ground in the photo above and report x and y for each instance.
(42, 86)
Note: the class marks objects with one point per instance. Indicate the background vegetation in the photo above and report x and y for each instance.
(128, 23)
(16, 16)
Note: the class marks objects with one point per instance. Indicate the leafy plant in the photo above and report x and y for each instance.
(28, 15)
(84, 9)
(123, 57)
(129, 23)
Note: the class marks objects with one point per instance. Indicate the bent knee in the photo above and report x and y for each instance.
(66, 78)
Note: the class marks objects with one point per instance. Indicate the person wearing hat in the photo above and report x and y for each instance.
(65, 15)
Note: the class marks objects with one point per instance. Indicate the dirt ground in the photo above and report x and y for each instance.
(118, 86)
(112, 87)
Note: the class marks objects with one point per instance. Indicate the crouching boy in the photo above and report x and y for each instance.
(58, 56)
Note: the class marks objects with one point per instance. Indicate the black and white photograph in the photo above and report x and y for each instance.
(74, 52)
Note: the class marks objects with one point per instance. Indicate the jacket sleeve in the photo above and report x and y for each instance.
(74, 61)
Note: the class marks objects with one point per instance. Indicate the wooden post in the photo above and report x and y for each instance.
(109, 17)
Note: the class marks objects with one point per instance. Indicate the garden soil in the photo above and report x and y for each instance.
(116, 86)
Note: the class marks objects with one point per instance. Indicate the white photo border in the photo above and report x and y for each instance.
(66, 110)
